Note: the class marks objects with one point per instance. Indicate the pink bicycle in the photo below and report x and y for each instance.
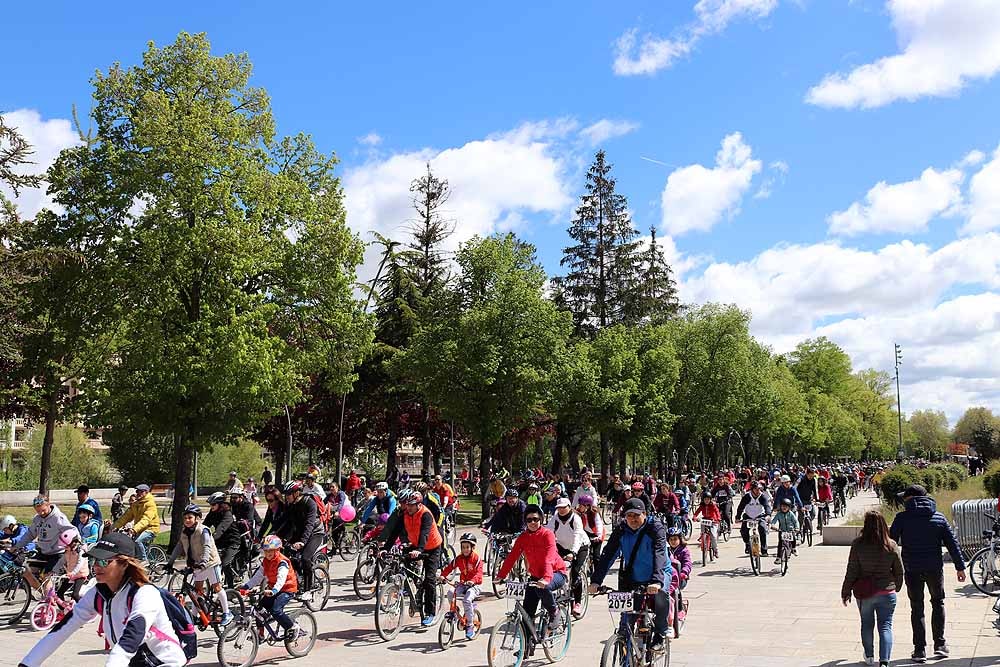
(52, 608)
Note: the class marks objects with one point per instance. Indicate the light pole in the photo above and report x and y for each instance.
(451, 437)
(288, 467)
(899, 409)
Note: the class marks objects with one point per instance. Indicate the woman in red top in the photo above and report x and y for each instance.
(545, 568)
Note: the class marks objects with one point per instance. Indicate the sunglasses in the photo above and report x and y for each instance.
(533, 519)
(101, 562)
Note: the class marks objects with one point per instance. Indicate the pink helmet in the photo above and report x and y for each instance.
(383, 517)
(67, 536)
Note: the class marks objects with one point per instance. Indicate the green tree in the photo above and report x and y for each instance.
(870, 398)
(656, 297)
(931, 433)
(821, 364)
(232, 259)
(73, 461)
(980, 429)
(487, 366)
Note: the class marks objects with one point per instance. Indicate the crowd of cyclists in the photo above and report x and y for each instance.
(563, 533)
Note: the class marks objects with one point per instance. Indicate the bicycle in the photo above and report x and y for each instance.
(52, 608)
(396, 584)
(450, 524)
(984, 566)
(708, 552)
(684, 523)
(805, 520)
(515, 637)
(631, 643)
(823, 516)
(583, 581)
(204, 608)
(346, 540)
(238, 645)
(320, 589)
(156, 559)
(455, 616)
(502, 544)
(15, 591)
(680, 607)
(753, 526)
(367, 572)
(787, 538)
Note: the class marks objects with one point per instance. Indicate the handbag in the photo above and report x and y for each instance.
(863, 588)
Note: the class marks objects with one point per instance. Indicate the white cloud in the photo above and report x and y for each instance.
(945, 44)
(495, 183)
(697, 197)
(47, 138)
(984, 197)
(777, 171)
(901, 207)
(652, 53)
(972, 159)
(606, 129)
(372, 139)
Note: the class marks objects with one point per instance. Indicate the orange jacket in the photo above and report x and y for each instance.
(414, 529)
(469, 569)
(271, 565)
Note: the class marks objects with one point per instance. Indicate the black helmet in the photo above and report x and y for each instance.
(467, 537)
(511, 493)
(192, 509)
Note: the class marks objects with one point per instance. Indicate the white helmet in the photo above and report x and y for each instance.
(381, 486)
(7, 522)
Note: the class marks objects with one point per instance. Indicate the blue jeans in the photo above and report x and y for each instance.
(533, 594)
(276, 605)
(141, 542)
(882, 607)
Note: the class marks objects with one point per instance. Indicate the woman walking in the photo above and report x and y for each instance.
(874, 576)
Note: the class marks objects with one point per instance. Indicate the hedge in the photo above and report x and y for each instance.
(896, 480)
(991, 479)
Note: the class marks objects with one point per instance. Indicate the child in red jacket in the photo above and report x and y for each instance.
(470, 578)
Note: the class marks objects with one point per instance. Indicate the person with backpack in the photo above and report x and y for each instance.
(197, 549)
(226, 533)
(301, 532)
(143, 624)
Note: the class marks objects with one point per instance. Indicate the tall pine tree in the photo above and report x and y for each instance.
(656, 297)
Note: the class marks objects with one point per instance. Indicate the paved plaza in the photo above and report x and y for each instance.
(735, 619)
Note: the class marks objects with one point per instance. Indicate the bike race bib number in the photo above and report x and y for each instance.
(706, 524)
(787, 536)
(621, 603)
(515, 590)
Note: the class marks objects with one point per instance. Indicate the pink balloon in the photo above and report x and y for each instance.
(347, 513)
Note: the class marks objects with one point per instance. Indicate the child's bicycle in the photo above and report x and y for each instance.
(455, 616)
(52, 608)
(238, 645)
(708, 553)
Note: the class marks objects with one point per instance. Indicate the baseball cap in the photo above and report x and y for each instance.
(562, 502)
(633, 505)
(115, 544)
(83, 488)
(912, 490)
(142, 487)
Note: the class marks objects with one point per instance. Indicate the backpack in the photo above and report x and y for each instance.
(323, 510)
(180, 619)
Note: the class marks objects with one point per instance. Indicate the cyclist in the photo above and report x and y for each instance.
(118, 502)
(133, 614)
(496, 490)
(302, 532)
(470, 577)
(593, 525)
(549, 498)
(445, 492)
(335, 501)
(533, 497)
(225, 532)
(233, 484)
(144, 517)
(73, 564)
(384, 502)
(754, 505)
(722, 491)
(547, 570)
(421, 531)
(509, 518)
(639, 493)
(641, 541)
(243, 511)
(786, 521)
(710, 510)
(197, 547)
(273, 516)
(679, 552)
(807, 488)
(277, 576)
(824, 492)
(83, 498)
(586, 488)
(45, 529)
(310, 487)
(10, 529)
(840, 481)
(89, 527)
(786, 491)
(667, 503)
(573, 544)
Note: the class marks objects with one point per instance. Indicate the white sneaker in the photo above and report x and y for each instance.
(306, 596)
(868, 661)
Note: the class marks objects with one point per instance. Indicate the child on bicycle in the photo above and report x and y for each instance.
(678, 551)
(90, 528)
(197, 547)
(709, 510)
(278, 576)
(786, 521)
(374, 532)
(470, 575)
(73, 563)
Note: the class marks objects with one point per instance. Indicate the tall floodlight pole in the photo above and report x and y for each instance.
(899, 409)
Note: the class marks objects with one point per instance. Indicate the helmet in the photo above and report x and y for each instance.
(532, 487)
(706, 496)
(381, 486)
(84, 507)
(637, 486)
(67, 536)
(7, 521)
(785, 501)
(511, 493)
(271, 542)
(216, 498)
(585, 500)
(383, 517)
(192, 509)
(786, 478)
(292, 487)
(674, 530)
(467, 537)
(122, 487)
(414, 498)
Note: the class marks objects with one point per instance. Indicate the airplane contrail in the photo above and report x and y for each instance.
(649, 159)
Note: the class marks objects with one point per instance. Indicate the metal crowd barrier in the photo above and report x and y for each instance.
(969, 523)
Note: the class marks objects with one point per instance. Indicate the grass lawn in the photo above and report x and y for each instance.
(970, 489)
(470, 510)
(26, 514)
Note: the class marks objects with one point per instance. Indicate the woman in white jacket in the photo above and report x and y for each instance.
(135, 621)
(586, 488)
(573, 545)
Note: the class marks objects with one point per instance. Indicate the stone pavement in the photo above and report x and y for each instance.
(735, 619)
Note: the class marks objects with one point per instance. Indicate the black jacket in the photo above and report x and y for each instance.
(246, 512)
(300, 521)
(807, 490)
(508, 519)
(226, 532)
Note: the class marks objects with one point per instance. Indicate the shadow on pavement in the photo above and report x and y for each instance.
(352, 637)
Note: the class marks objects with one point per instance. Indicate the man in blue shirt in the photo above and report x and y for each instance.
(83, 498)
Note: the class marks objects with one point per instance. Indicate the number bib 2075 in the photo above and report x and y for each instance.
(621, 602)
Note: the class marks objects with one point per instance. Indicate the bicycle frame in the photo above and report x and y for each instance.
(635, 627)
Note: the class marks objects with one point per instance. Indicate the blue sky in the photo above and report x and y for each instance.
(754, 134)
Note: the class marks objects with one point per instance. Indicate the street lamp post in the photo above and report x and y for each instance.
(288, 466)
(899, 409)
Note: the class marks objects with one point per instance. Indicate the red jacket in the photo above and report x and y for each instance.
(709, 512)
(539, 549)
(469, 569)
(824, 493)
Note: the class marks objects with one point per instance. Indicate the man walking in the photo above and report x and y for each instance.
(922, 531)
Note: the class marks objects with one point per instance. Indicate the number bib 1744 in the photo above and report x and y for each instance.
(515, 590)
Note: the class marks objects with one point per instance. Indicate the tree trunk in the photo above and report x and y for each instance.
(623, 459)
(52, 401)
(605, 463)
(425, 458)
(557, 444)
(183, 457)
(573, 444)
(484, 482)
(392, 458)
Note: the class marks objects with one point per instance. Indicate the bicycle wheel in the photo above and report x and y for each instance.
(755, 563)
(320, 590)
(507, 645)
(688, 529)
(43, 616)
(175, 583)
(237, 607)
(615, 652)
(784, 563)
(660, 657)
(304, 640)
(156, 556)
(983, 570)
(237, 646)
(724, 531)
(704, 553)
(15, 596)
(350, 545)
(584, 596)
(556, 645)
(320, 559)
(389, 608)
(364, 580)
(499, 588)
(446, 632)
